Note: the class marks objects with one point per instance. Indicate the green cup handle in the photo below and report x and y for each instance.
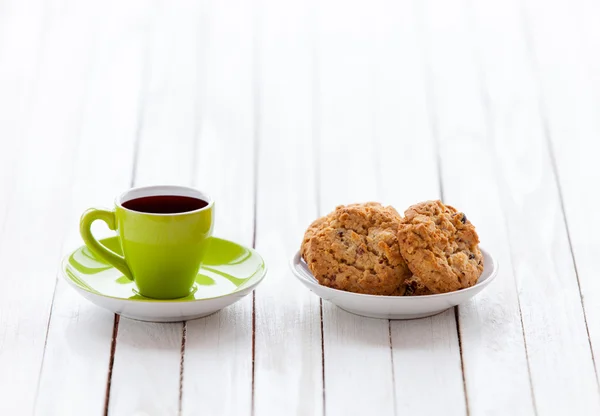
(85, 228)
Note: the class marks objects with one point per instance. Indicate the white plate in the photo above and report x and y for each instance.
(394, 307)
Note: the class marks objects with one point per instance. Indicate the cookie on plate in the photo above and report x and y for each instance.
(310, 231)
(440, 246)
(355, 248)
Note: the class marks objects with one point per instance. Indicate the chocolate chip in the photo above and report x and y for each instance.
(463, 219)
(471, 256)
(340, 234)
(359, 251)
(411, 288)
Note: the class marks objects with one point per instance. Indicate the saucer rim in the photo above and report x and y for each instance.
(305, 276)
(238, 290)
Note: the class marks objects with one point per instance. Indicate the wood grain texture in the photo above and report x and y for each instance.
(426, 354)
(36, 216)
(490, 325)
(217, 375)
(288, 356)
(76, 359)
(560, 362)
(146, 371)
(358, 371)
(282, 111)
(567, 73)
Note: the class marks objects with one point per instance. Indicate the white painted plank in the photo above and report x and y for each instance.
(74, 376)
(358, 368)
(37, 212)
(402, 123)
(555, 332)
(509, 92)
(551, 311)
(572, 109)
(169, 100)
(561, 321)
(218, 348)
(21, 42)
(426, 354)
(585, 14)
(146, 371)
(568, 69)
(288, 356)
(490, 326)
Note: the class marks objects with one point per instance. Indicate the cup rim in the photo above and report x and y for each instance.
(155, 190)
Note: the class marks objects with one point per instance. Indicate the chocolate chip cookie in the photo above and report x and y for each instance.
(355, 248)
(440, 246)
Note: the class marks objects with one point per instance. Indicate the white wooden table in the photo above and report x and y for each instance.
(283, 109)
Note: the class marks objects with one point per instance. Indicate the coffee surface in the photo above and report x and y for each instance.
(165, 204)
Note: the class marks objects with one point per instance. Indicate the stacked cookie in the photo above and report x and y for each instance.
(371, 249)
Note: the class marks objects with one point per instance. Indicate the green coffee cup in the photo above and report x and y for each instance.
(163, 231)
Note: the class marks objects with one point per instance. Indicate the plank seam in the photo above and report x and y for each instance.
(315, 133)
(462, 361)
(37, 390)
(393, 372)
(256, 101)
(111, 362)
(322, 354)
(181, 364)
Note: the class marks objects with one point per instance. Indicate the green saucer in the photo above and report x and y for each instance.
(230, 271)
(227, 268)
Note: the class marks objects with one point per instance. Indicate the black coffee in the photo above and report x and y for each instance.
(165, 204)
